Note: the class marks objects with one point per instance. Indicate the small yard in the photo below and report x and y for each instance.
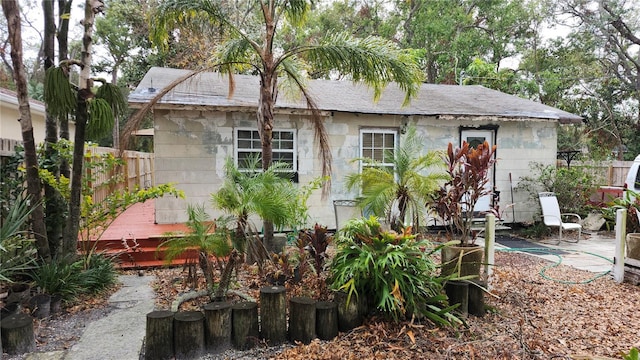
(528, 317)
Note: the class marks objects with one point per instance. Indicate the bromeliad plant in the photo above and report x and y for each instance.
(394, 271)
(468, 169)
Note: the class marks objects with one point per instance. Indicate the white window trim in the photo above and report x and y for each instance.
(294, 151)
(396, 140)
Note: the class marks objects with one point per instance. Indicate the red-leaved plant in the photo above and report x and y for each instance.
(469, 170)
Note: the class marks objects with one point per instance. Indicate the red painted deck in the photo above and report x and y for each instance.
(134, 238)
(138, 221)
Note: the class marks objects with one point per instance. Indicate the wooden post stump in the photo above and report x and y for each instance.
(273, 314)
(349, 314)
(188, 334)
(302, 319)
(40, 305)
(458, 293)
(244, 328)
(16, 334)
(326, 320)
(158, 344)
(217, 326)
(476, 298)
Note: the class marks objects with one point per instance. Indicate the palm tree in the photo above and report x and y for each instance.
(206, 237)
(263, 193)
(401, 191)
(255, 47)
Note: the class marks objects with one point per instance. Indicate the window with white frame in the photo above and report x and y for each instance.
(248, 144)
(379, 145)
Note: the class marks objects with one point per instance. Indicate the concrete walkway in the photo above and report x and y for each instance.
(594, 252)
(119, 335)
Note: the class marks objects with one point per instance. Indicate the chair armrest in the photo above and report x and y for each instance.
(572, 215)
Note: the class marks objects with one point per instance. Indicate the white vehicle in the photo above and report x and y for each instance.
(633, 177)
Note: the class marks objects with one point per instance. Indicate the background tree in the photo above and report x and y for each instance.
(12, 14)
(592, 71)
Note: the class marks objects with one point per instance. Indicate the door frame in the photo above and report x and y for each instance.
(490, 134)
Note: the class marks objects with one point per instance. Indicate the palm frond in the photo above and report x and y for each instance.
(100, 118)
(135, 120)
(372, 60)
(189, 13)
(113, 95)
(296, 11)
(238, 53)
(294, 77)
(59, 95)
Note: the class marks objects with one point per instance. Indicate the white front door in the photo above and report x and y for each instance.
(476, 137)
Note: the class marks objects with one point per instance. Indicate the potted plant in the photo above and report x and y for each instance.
(468, 169)
(628, 202)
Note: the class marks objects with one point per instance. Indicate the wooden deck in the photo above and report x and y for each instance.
(134, 238)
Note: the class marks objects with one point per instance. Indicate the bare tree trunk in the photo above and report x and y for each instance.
(54, 202)
(116, 121)
(91, 8)
(12, 13)
(64, 8)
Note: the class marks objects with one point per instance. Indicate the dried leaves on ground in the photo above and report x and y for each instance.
(529, 317)
(566, 313)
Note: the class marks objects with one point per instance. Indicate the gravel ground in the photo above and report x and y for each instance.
(61, 332)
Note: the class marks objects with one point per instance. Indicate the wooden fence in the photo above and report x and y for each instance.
(607, 173)
(137, 171)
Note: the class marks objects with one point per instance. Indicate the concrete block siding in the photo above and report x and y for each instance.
(191, 148)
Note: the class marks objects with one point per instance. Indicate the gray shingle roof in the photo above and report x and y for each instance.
(211, 89)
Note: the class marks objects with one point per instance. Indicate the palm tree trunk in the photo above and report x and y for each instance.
(12, 13)
(268, 93)
(91, 7)
(64, 7)
(205, 266)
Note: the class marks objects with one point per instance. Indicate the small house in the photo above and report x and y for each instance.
(198, 125)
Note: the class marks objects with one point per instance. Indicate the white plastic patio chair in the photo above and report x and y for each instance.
(552, 217)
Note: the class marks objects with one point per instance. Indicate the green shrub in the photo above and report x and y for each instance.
(537, 230)
(59, 277)
(100, 273)
(69, 279)
(17, 251)
(628, 202)
(572, 186)
(394, 271)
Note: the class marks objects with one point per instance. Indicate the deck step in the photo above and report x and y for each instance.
(138, 253)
